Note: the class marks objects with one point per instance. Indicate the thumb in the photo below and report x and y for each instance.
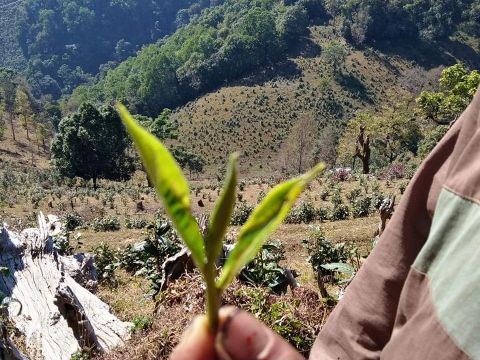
(242, 337)
(197, 343)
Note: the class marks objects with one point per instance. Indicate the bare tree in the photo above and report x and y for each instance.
(362, 150)
(300, 145)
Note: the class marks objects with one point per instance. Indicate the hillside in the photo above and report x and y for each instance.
(256, 115)
(12, 13)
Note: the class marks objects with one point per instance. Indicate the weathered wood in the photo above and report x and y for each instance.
(59, 315)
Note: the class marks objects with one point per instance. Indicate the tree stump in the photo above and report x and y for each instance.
(59, 316)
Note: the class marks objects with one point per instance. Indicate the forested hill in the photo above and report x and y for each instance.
(68, 42)
(11, 15)
(228, 41)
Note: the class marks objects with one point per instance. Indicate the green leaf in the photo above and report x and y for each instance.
(343, 268)
(268, 215)
(170, 183)
(220, 218)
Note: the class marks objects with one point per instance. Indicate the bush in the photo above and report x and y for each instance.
(305, 213)
(71, 221)
(106, 262)
(108, 223)
(340, 212)
(322, 214)
(354, 194)
(141, 323)
(135, 223)
(241, 214)
(394, 171)
(322, 251)
(361, 207)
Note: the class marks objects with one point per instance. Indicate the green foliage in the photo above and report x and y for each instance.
(188, 160)
(394, 133)
(335, 55)
(80, 355)
(66, 42)
(305, 213)
(265, 269)
(223, 43)
(322, 251)
(107, 223)
(141, 323)
(430, 140)
(146, 257)
(72, 221)
(361, 206)
(173, 188)
(241, 214)
(279, 314)
(339, 212)
(92, 144)
(458, 86)
(135, 223)
(369, 20)
(106, 262)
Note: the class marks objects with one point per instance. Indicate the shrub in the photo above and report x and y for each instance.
(322, 214)
(141, 323)
(106, 262)
(135, 223)
(71, 221)
(339, 212)
(394, 171)
(324, 194)
(361, 207)
(108, 223)
(241, 214)
(305, 213)
(265, 269)
(354, 194)
(322, 251)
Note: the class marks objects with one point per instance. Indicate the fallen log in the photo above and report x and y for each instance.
(59, 315)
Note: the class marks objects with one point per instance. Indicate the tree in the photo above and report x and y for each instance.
(362, 149)
(457, 88)
(92, 144)
(335, 55)
(392, 133)
(293, 22)
(23, 109)
(8, 90)
(186, 159)
(300, 146)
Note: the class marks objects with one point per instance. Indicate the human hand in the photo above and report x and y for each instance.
(240, 337)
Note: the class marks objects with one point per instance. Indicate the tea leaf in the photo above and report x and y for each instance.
(343, 268)
(220, 218)
(170, 183)
(268, 215)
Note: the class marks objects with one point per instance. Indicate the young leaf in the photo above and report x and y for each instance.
(221, 214)
(263, 221)
(343, 268)
(170, 183)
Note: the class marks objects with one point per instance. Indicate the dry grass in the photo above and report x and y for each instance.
(184, 299)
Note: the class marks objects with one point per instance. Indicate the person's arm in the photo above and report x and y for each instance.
(363, 322)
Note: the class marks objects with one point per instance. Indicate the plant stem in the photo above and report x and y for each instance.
(213, 299)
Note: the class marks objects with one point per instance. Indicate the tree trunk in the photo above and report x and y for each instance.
(59, 316)
(94, 179)
(13, 128)
(321, 286)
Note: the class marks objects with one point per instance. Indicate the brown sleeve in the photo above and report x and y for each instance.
(362, 323)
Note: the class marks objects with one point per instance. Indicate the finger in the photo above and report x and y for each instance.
(243, 337)
(197, 343)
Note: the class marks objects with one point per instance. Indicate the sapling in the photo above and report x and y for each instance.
(173, 188)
